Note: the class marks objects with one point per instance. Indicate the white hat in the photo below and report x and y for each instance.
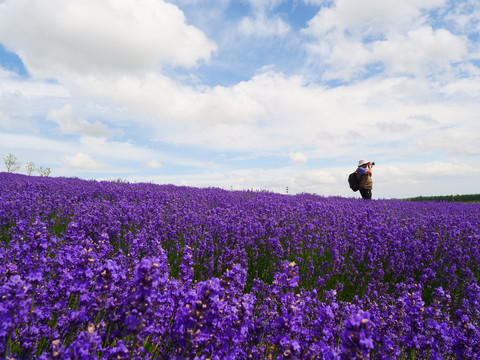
(362, 162)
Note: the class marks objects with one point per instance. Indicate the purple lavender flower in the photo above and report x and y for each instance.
(87, 345)
(14, 311)
(357, 338)
(186, 267)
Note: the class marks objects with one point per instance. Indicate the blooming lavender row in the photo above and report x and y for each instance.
(92, 270)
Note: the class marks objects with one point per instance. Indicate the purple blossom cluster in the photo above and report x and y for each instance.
(109, 270)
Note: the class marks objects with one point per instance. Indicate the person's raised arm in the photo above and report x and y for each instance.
(369, 171)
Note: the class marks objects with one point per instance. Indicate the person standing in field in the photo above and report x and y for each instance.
(364, 175)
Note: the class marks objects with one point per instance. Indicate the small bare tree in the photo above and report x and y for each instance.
(11, 163)
(44, 171)
(30, 167)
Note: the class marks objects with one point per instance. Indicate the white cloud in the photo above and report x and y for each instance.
(69, 123)
(37, 146)
(4, 73)
(392, 36)
(421, 174)
(262, 23)
(421, 51)
(465, 15)
(369, 17)
(261, 26)
(81, 161)
(170, 102)
(62, 156)
(262, 5)
(21, 100)
(454, 143)
(298, 158)
(153, 164)
(272, 112)
(11, 84)
(323, 181)
(60, 39)
(291, 112)
(115, 150)
(6, 120)
(468, 88)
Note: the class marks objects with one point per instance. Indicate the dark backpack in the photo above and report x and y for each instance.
(353, 181)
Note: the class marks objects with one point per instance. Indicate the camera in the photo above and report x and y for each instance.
(373, 163)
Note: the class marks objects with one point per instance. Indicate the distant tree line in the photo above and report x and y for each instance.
(449, 198)
(13, 164)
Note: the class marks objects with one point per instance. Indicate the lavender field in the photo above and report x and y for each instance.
(109, 270)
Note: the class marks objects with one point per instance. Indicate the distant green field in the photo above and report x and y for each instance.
(475, 198)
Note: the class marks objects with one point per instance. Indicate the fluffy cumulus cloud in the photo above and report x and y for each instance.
(166, 101)
(69, 123)
(287, 112)
(57, 39)
(81, 161)
(354, 37)
(298, 158)
(420, 51)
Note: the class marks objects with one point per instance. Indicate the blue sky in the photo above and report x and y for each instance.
(251, 94)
